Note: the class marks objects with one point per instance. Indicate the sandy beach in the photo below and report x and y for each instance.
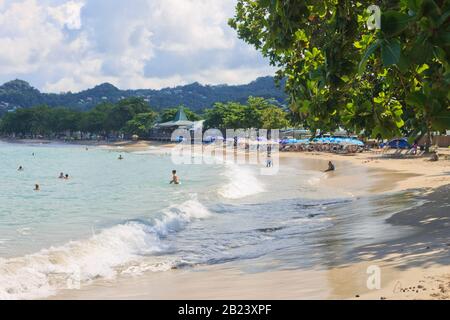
(413, 267)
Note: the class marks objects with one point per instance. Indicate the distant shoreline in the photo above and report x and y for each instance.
(409, 264)
(127, 145)
(419, 260)
(423, 173)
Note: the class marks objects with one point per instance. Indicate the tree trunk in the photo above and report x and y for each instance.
(429, 141)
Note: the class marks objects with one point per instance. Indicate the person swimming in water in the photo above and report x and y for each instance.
(66, 177)
(61, 175)
(330, 167)
(175, 179)
(120, 157)
(37, 187)
(20, 168)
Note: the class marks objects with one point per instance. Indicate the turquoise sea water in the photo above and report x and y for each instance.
(114, 218)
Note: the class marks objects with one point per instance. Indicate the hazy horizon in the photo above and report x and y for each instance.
(137, 88)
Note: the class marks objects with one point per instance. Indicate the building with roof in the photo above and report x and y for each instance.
(163, 131)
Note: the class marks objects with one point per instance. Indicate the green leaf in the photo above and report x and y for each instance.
(443, 38)
(394, 22)
(370, 50)
(420, 51)
(443, 18)
(416, 99)
(414, 5)
(422, 68)
(390, 52)
(404, 63)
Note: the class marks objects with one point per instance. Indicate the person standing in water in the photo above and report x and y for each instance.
(331, 167)
(61, 175)
(120, 157)
(37, 187)
(175, 179)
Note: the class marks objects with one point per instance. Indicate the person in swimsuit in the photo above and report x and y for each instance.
(330, 167)
(175, 179)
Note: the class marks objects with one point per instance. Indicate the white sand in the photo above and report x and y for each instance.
(416, 267)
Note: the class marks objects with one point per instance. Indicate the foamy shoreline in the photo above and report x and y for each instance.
(409, 265)
(402, 276)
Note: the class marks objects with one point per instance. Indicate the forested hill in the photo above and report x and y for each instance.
(20, 94)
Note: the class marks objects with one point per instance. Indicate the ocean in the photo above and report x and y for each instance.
(115, 218)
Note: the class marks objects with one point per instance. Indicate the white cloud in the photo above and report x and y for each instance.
(68, 14)
(26, 37)
(62, 45)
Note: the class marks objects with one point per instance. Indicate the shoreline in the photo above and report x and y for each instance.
(402, 276)
(412, 267)
(416, 266)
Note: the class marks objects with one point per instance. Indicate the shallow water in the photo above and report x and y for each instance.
(115, 218)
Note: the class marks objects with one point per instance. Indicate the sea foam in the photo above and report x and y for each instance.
(242, 182)
(42, 274)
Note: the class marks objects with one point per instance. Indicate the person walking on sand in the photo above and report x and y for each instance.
(175, 179)
(269, 162)
(331, 167)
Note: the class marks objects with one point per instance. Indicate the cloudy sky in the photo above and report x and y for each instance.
(70, 45)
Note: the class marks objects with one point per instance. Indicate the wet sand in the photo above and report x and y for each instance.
(416, 266)
(413, 267)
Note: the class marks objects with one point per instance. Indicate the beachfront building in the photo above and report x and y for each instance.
(163, 131)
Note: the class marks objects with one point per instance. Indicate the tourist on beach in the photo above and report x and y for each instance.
(414, 148)
(434, 157)
(61, 175)
(20, 168)
(36, 187)
(330, 167)
(269, 162)
(175, 179)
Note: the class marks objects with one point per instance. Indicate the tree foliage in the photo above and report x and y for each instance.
(194, 96)
(257, 113)
(168, 114)
(339, 73)
(131, 116)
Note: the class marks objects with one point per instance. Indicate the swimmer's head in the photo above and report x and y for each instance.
(174, 171)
